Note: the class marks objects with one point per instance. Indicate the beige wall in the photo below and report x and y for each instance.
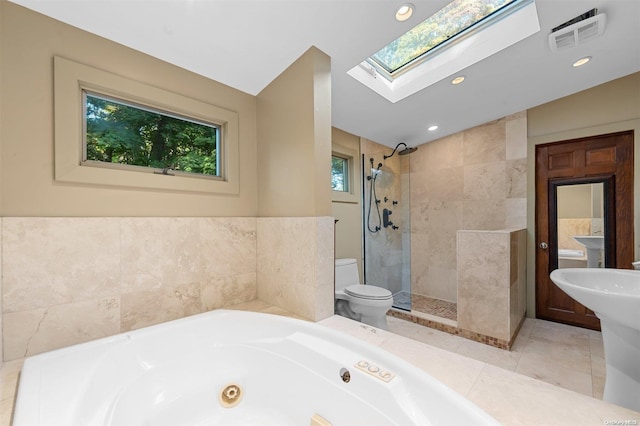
(84, 261)
(1, 44)
(349, 214)
(610, 107)
(294, 149)
(574, 201)
(295, 260)
(27, 187)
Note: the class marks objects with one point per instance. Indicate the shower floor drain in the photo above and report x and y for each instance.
(230, 395)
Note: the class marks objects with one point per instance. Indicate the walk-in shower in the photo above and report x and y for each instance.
(387, 230)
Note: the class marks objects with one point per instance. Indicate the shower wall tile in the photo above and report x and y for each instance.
(492, 282)
(486, 181)
(69, 280)
(444, 184)
(518, 280)
(440, 154)
(516, 178)
(483, 173)
(484, 214)
(485, 144)
(515, 213)
(442, 283)
(437, 224)
(420, 249)
(483, 283)
(516, 136)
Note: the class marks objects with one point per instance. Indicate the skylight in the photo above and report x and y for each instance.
(441, 27)
(460, 34)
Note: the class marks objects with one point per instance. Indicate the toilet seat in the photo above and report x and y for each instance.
(369, 292)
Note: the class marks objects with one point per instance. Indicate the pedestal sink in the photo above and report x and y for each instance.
(614, 295)
(594, 245)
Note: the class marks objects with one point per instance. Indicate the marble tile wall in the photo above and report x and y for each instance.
(474, 180)
(295, 264)
(492, 282)
(69, 280)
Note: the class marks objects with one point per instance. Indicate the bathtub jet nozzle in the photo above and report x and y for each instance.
(230, 395)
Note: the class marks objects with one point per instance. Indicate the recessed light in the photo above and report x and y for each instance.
(432, 128)
(459, 79)
(404, 12)
(581, 61)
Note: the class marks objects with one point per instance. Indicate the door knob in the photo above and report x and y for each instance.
(544, 245)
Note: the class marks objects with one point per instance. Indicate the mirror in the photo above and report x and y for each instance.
(580, 225)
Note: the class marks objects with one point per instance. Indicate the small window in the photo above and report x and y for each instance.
(344, 172)
(119, 133)
(339, 174)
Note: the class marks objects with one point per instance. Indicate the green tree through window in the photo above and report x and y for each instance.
(439, 28)
(120, 133)
(339, 174)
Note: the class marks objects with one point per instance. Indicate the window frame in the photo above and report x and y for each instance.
(474, 28)
(346, 172)
(71, 79)
(124, 166)
(353, 170)
(445, 62)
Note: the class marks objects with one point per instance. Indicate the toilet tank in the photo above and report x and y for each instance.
(346, 273)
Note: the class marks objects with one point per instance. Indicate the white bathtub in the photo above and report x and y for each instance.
(286, 370)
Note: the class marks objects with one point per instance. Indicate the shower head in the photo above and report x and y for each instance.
(405, 151)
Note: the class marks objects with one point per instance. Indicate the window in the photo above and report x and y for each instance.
(440, 28)
(201, 140)
(119, 133)
(344, 172)
(448, 42)
(339, 174)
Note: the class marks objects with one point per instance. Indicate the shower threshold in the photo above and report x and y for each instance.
(417, 303)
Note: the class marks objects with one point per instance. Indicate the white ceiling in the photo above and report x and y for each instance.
(247, 43)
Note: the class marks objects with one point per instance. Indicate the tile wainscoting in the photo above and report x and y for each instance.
(70, 280)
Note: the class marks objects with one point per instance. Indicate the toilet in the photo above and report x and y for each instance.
(365, 303)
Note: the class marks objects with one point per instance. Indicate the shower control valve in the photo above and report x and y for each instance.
(385, 218)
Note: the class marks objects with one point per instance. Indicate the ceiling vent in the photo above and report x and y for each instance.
(577, 30)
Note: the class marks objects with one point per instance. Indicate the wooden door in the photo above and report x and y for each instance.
(607, 159)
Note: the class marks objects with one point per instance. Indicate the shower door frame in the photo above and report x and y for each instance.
(365, 228)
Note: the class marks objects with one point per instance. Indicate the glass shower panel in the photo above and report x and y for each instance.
(387, 231)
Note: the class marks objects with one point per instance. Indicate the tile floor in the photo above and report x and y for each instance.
(562, 355)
